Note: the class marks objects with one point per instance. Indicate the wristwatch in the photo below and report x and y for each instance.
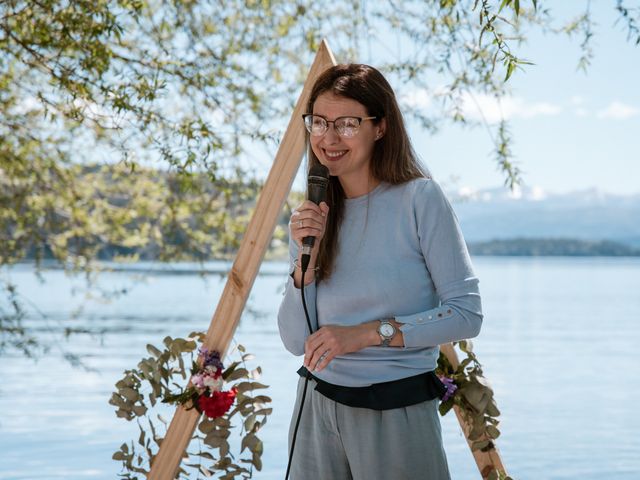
(387, 331)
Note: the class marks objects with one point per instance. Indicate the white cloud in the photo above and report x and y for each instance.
(495, 109)
(576, 100)
(416, 99)
(481, 106)
(618, 111)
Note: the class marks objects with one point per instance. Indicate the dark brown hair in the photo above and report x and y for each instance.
(393, 160)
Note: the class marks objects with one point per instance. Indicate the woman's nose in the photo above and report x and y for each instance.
(331, 136)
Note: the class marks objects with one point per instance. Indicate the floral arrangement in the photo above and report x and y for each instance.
(469, 391)
(220, 394)
(223, 394)
(205, 392)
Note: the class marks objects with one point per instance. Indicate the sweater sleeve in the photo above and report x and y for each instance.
(459, 315)
(291, 318)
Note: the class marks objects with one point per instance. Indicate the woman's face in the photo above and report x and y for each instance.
(346, 158)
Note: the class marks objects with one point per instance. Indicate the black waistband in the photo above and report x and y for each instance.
(382, 396)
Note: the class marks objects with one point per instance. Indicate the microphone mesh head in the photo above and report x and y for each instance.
(319, 170)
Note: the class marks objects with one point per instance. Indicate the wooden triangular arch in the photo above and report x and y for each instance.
(245, 269)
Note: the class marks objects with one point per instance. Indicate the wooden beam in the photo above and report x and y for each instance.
(486, 461)
(244, 271)
(245, 268)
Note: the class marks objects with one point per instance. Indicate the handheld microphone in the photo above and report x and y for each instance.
(317, 184)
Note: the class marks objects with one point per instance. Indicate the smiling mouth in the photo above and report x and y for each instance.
(335, 155)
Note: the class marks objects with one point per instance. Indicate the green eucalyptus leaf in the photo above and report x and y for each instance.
(153, 351)
(224, 449)
(248, 386)
(492, 409)
(250, 422)
(118, 401)
(214, 441)
(261, 399)
(249, 441)
(445, 407)
(206, 455)
(475, 433)
(476, 395)
(206, 426)
(124, 414)
(139, 410)
(130, 394)
(236, 374)
(480, 445)
(257, 462)
(466, 346)
(492, 432)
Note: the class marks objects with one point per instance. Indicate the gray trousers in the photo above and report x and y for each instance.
(337, 442)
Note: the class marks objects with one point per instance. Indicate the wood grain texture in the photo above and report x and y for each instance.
(245, 268)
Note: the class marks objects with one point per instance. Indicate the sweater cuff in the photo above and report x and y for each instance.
(412, 324)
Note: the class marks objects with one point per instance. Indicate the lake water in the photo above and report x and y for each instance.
(559, 345)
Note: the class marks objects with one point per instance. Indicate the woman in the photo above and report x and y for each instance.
(389, 280)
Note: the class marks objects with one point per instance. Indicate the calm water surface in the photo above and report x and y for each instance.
(559, 345)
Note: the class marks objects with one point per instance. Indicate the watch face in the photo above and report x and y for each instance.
(386, 330)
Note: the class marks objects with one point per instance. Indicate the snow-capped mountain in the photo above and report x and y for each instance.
(531, 212)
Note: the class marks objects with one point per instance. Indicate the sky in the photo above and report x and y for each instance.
(571, 130)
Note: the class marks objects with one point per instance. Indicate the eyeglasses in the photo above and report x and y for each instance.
(345, 126)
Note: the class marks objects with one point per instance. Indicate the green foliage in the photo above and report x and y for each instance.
(14, 335)
(96, 94)
(498, 475)
(474, 397)
(553, 247)
(141, 391)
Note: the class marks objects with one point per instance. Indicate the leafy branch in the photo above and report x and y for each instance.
(143, 389)
(474, 400)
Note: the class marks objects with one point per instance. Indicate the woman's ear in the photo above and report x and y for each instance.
(382, 128)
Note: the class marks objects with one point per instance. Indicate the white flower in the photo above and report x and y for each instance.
(215, 384)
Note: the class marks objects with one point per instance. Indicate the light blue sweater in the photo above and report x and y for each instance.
(401, 254)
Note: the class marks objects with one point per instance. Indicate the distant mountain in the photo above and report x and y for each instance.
(589, 215)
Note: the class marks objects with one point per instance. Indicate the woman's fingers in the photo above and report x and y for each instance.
(322, 346)
(313, 350)
(309, 205)
(324, 360)
(308, 220)
(299, 222)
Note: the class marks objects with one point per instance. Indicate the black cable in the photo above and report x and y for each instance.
(306, 380)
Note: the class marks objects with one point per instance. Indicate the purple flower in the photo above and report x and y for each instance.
(211, 358)
(450, 385)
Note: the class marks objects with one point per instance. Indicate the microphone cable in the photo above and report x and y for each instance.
(306, 379)
(317, 184)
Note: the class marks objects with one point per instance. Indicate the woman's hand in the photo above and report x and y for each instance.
(332, 340)
(308, 220)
